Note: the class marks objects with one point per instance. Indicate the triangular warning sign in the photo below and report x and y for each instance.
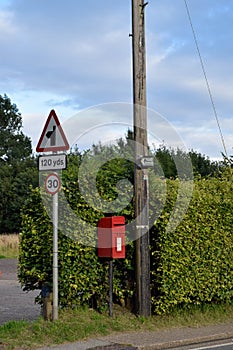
(52, 138)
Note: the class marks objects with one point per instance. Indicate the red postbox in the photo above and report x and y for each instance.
(111, 237)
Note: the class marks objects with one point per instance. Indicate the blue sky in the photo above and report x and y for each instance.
(71, 55)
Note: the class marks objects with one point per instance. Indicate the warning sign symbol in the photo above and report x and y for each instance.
(52, 138)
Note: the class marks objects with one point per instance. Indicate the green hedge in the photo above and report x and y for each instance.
(191, 265)
(194, 263)
(82, 276)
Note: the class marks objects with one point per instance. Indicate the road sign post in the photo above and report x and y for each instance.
(55, 257)
(53, 140)
(52, 186)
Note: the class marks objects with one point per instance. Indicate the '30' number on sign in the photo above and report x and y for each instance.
(52, 183)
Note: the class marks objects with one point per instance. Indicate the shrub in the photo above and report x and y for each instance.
(194, 263)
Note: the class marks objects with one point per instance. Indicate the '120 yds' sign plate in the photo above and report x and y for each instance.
(52, 162)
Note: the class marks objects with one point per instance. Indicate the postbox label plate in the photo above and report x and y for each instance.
(119, 244)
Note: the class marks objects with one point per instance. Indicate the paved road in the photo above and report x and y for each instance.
(222, 345)
(14, 303)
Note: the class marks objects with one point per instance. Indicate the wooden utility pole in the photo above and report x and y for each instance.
(143, 296)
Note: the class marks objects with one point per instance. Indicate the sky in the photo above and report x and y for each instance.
(73, 55)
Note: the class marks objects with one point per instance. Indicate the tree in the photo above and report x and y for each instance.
(227, 161)
(15, 181)
(14, 145)
(17, 166)
(166, 160)
(202, 165)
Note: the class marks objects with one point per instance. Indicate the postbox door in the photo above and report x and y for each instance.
(118, 248)
(118, 237)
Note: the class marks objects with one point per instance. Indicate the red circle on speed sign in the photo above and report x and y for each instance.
(52, 183)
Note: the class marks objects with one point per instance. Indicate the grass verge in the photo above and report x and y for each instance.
(9, 245)
(83, 323)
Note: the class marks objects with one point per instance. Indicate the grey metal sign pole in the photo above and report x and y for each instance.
(53, 140)
(55, 256)
(52, 185)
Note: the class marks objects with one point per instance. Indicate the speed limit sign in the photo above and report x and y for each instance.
(52, 183)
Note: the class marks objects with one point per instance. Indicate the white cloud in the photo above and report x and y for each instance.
(7, 26)
(77, 54)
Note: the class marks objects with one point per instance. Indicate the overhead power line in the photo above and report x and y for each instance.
(206, 80)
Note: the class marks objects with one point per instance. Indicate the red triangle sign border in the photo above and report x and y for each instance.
(55, 148)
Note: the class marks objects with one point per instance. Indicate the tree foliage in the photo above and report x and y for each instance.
(15, 181)
(202, 165)
(14, 145)
(227, 160)
(17, 167)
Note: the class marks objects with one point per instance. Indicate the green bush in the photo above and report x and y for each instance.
(194, 263)
(83, 277)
